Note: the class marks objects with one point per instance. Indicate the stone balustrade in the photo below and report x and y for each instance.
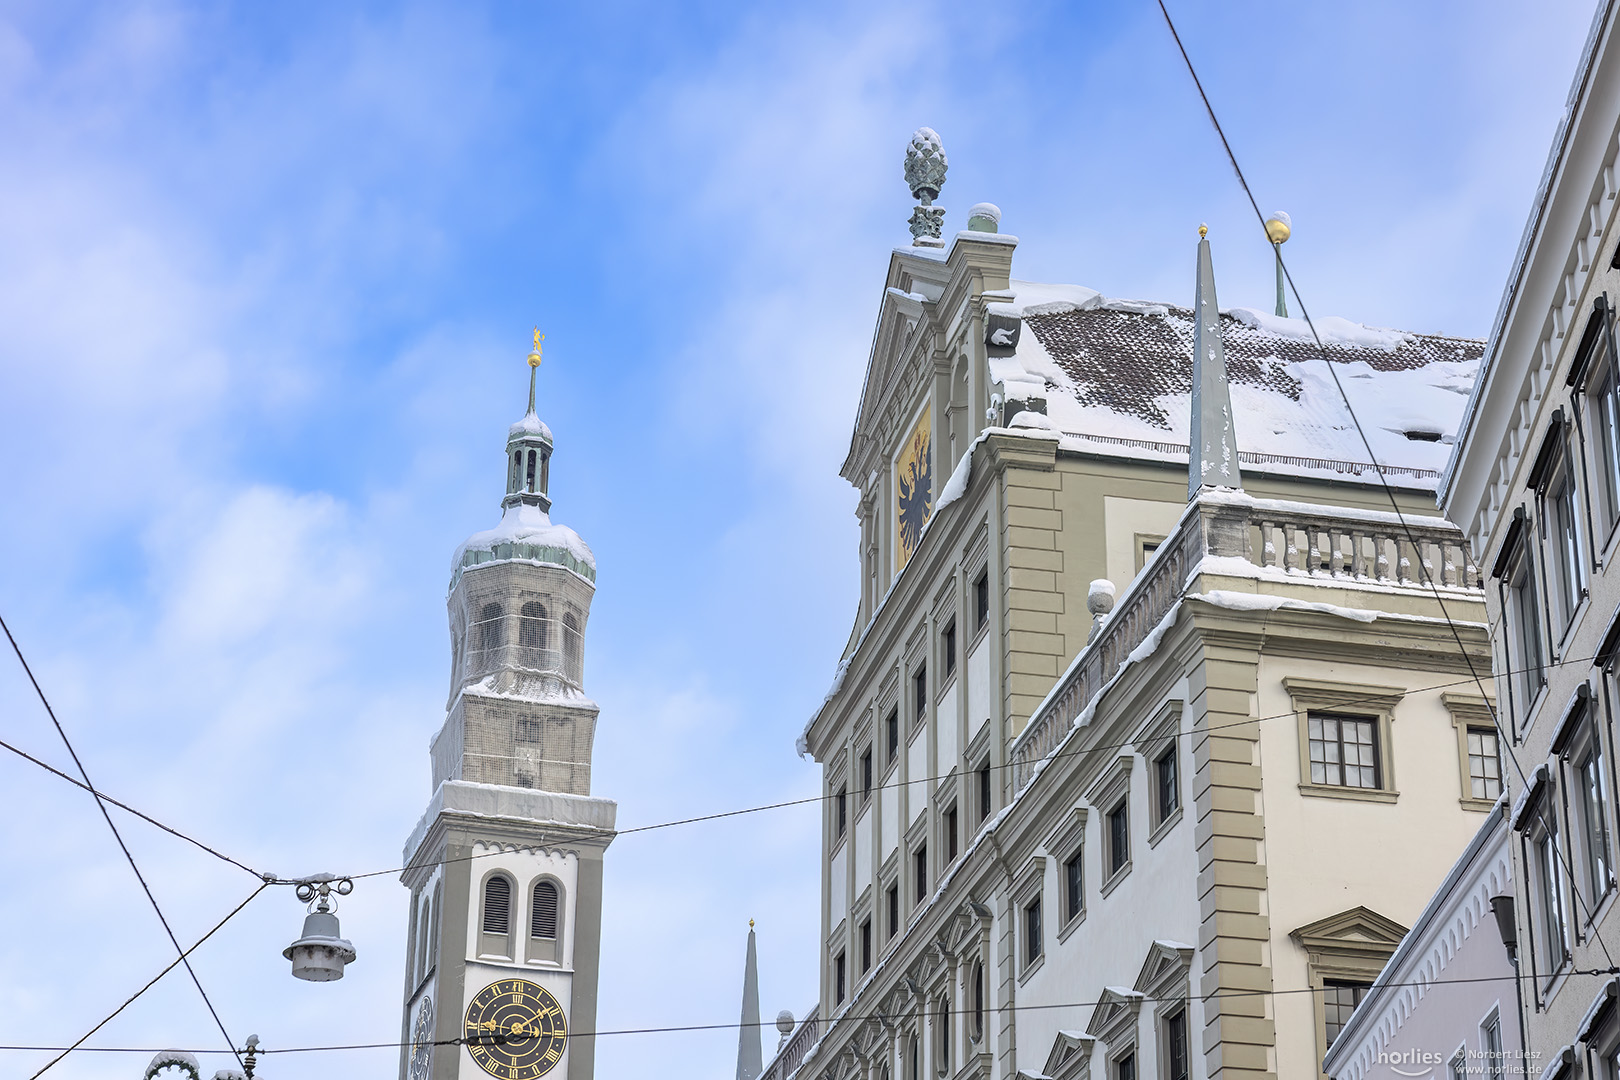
(1294, 542)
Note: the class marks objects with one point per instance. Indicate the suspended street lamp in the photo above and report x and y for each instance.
(321, 953)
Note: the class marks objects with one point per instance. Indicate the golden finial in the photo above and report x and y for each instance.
(1279, 228)
(750, 924)
(534, 364)
(1203, 231)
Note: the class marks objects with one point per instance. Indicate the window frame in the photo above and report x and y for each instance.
(1066, 844)
(1549, 894)
(1030, 921)
(981, 602)
(864, 767)
(1578, 745)
(1472, 713)
(919, 874)
(1595, 379)
(947, 651)
(1179, 1015)
(891, 735)
(950, 833)
(1558, 493)
(495, 943)
(1523, 638)
(840, 977)
(1321, 698)
(864, 939)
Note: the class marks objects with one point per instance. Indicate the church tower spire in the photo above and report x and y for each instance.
(1212, 449)
(750, 1062)
(505, 867)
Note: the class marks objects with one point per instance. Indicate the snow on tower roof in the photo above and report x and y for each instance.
(529, 425)
(1117, 379)
(526, 533)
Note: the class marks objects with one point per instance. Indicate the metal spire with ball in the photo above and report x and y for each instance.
(1278, 229)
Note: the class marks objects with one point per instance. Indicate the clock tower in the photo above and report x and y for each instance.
(505, 866)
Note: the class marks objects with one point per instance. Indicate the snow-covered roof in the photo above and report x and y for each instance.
(526, 533)
(1118, 373)
(529, 425)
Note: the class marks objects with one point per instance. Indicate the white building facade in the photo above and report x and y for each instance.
(1533, 483)
(1170, 833)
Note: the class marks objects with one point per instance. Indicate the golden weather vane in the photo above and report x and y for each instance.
(534, 364)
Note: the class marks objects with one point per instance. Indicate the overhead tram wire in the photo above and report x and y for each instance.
(1501, 736)
(1055, 755)
(128, 857)
(78, 1045)
(675, 1029)
(148, 818)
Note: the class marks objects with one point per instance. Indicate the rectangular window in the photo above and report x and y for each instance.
(1034, 945)
(1594, 827)
(866, 774)
(1490, 1042)
(919, 692)
(1484, 763)
(1523, 612)
(949, 828)
(984, 792)
(919, 868)
(947, 647)
(981, 601)
(1560, 525)
(866, 946)
(1177, 1053)
(1167, 791)
(528, 730)
(1119, 837)
(1074, 885)
(838, 979)
(1125, 1068)
(841, 809)
(1339, 1000)
(1344, 750)
(891, 734)
(894, 909)
(1550, 896)
(1603, 407)
(1459, 1066)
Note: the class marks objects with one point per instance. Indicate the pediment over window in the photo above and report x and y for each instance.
(1070, 1057)
(1115, 1014)
(1357, 931)
(1164, 972)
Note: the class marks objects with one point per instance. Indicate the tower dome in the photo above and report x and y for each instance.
(526, 532)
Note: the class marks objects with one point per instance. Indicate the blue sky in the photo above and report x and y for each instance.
(267, 275)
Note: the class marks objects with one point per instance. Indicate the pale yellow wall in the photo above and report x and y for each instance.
(1124, 520)
(1327, 855)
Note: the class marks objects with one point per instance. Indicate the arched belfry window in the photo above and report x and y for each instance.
(489, 627)
(497, 906)
(532, 626)
(543, 915)
(534, 461)
(514, 481)
(571, 646)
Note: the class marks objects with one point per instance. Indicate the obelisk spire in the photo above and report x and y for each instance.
(750, 1062)
(1212, 451)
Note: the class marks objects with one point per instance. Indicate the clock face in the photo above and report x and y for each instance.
(516, 1030)
(422, 1040)
(913, 489)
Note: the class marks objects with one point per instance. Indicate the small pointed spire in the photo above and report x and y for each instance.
(750, 1061)
(1212, 452)
(534, 366)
